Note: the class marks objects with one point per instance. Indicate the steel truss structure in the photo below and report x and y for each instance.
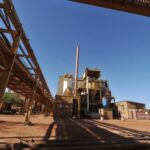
(141, 7)
(19, 68)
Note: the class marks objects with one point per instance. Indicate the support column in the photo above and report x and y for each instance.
(27, 115)
(1, 105)
(25, 105)
(36, 106)
(46, 108)
(43, 108)
(29, 109)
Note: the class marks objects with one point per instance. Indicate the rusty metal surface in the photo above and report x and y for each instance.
(141, 7)
(26, 71)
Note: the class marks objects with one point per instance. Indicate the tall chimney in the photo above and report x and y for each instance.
(76, 71)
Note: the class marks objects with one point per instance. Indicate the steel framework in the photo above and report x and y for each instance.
(141, 7)
(19, 68)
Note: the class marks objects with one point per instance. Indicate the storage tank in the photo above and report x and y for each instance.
(67, 83)
(105, 102)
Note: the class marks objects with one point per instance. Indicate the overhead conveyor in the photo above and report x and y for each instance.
(19, 68)
(141, 7)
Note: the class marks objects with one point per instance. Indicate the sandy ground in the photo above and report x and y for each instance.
(141, 125)
(13, 130)
(12, 127)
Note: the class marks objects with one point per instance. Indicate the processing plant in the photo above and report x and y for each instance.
(94, 98)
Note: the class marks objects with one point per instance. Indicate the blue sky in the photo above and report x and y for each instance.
(116, 42)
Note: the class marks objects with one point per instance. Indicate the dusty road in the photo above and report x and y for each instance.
(81, 131)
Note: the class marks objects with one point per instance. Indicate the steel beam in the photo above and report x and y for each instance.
(7, 31)
(8, 70)
(3, 58)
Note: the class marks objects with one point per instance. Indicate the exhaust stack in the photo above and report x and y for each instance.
(76, 71)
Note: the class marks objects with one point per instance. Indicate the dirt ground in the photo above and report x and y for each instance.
(141, 125)
(12, 127)
(13, 130)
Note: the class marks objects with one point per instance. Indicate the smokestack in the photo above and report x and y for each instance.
(76, 71)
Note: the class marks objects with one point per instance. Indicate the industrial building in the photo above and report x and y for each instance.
(132, 110)
(94, 98)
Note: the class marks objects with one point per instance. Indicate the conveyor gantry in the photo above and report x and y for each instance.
(19, 68)
(141, 7)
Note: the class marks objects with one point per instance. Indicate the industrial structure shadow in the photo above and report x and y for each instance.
(84, 134)
(80, 134)
(124, 129)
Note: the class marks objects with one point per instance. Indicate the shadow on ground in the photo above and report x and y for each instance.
(80, 134)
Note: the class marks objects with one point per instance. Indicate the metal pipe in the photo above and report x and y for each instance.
(76, 71)
(87, 92)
